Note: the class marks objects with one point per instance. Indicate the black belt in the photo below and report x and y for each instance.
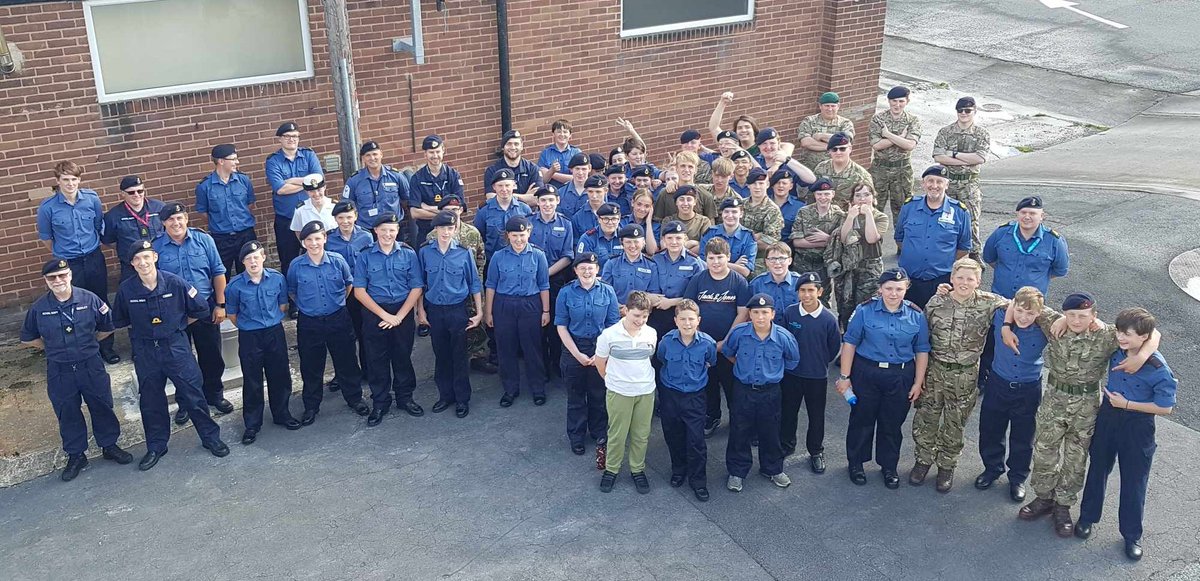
(1019, 384)
(761, 386)
(885, 364)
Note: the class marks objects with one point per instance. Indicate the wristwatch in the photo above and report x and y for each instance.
(220, 305)
(843, 377)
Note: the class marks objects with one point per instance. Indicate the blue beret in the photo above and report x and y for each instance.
(577, 160)
(546, 190)
(286, 127)
(765, 135)
(934, 170)
(756, 174)
(431, 142)
(344, 206)
(731, 202)
(964, 103)
(444, 218)
(517, 224)
(503, 174)
(672, 227)
(139, 247)
(368, 147)
(828, 98)
(130, 181)
(448, 200)
(613, 170)
(58, 264)
(631, 231)
(781, 174)
(739, 154)
(387, 218)
(761, 301)
(898, 92)
(223, 151)
(509, 136)
(893, 274)
(585, 258)
(689, 136)
(597, 161)
(727, 134)
(1030, 202)
(595, 182)
(641, 171)
(820, 185)
(685, 190)
(251, 247)
(837, 140)
(170, 210)
(608, 210)
(1075, 301)
(809, 278)
(311, 228)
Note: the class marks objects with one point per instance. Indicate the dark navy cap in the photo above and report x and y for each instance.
(503, 174)
(631, 231)
(223, 151)
(595, 182)
(688, 136)
(672, 227)
(761, 301)
(739, 154)
(546, 190)
(829, 97)
(608, 210)
(312, 228)
(641, 171)
(444, 218)
(756, 174)
(898, 274)
(934, 170)
(821, 184)
(727, 134)
(313, 181)
(387, 218)
(449, 200)
(130, 181)
(837, 140)
(781, 174)
(615, 150)
(964, 103)
(577, 160)
(765, 134)
(613, 170)
(286, 127)
(431, 142)
(56, 265)
(139, 247)
(597, 161)
(508, 136)
(1076, 301)
(1030, 202)
(517, 224)
(585, 258)
(731, 202)
(344, 206)
(368, 147)
(685, 190)
(809, 278)
(252, 247)
(170, 210)
(898, 92)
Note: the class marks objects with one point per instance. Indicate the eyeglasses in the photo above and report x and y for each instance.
(965, 111)
(137, 192)
(610, 218)
(840, 148)
(776, 258)
(58, 276)
(290, 137)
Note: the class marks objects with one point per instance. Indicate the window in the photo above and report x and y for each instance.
(642, 17)
(148, 48)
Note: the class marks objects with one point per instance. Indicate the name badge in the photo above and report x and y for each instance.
(168, 295)
(687, 268)
(947, 217)
(559, 229)
(373, 212)
(391, 184)
(644, 270)
(135, 301)
(81, 308)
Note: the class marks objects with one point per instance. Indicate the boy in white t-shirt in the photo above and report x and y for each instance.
(623, 353)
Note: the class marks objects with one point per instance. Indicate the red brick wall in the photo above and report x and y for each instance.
(567, 61)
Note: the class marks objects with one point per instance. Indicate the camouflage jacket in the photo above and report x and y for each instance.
(906, 122)
(1076, 358)
(808, 219)
(812, 125)
(843, 181)
(957, 331)
(846, 256)
(973, 140)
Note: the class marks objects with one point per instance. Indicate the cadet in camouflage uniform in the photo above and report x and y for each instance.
(468, 236)
(962, 147)
(816, 130)
(762, 217)
(841, 170)
(1076, 362)
(958, 326)
(894, 133)
(813, 229)
(854, 255)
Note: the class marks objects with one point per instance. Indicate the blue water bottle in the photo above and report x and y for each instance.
(850, 397)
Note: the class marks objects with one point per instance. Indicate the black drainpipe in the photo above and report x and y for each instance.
(502, 48)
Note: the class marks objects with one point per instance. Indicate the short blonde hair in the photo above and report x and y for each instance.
(722, 166)
(1029, 298)
(687, 157)
(967, 263)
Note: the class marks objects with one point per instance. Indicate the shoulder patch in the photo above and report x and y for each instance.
(300, 204)
(192, 292)
(1054, 233)
(1155, 362)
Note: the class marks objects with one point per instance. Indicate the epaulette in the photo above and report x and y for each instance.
(1155, 362)
(912, 197)
(956, 202)
(404, 244)
(1054, 232)
(912, 304)
(592, 231)
(300, 205)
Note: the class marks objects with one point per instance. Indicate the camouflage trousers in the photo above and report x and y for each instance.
(893, 185)
(856, 286)
(968, 194)
(1065, 424)
(942, 412)
(477, 337)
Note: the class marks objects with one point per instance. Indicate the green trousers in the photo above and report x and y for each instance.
(628, 417)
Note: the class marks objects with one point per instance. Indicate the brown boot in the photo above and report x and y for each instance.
(945, 479)
(916, 476)
(1039, 508)
(1064, 525)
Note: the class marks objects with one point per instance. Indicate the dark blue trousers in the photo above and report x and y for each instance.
(206, 338)
(1008, 407)
(69, 385)
(797, 391)
(755, 414)
(987, 356)
(287, 245)
(156, 361)
(448, 335)
(586, 411)
(228, 247)
(720, 378)
(264, 351)
(90, 273)
(880, 412)
(389, 352)
(919, 291)
(683, 418)
(332, 334)
(1126, 438)
(355, 309)
(518, 325)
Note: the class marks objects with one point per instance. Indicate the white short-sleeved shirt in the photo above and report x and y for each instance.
(307, 213)
(629, 371)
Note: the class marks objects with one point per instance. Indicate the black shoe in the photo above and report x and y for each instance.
(461, 410)
(293, 312)
(506, 400)
(293, 423)
(376, 416)
(422, 330)
(607, 480)
(181, 417)
(360, 408)
(150, 459)
(578, 449)
(223, 406)
(116, 454)
(891, 479)
(818, 463)
(483, 366)
(310, 416)
(1017, 492)
(857, 475)
(676, 480)
(75, 464)
(701, 494)
(333, 385)
(249, 436)
(641, 483)
(1133, 550)
(539, 400)
(414, 409)
(217, 447)
(985, 480)
(710, 427)
(1083, 529)
(440, 406)
(109, 356)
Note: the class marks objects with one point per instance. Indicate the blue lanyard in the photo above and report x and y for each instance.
(1017, 240)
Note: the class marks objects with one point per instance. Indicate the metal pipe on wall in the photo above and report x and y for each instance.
(505, 80)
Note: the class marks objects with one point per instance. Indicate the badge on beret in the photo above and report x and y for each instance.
(898, 276)
(762, 301)
(62, 264)
(433, 144)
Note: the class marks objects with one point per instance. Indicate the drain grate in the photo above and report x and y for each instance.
(990, 107)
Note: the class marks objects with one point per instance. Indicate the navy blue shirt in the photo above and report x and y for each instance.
(373, 197)
(449, 278)
(124, 228)
(718, 300)
(1011, 367)
(789, 209)
(623, 198)
(195, 259)
(818, 337)
(552, 154)
(387, 278)
(280, 169)
(741, 244)
(526, 171)
(931, 238)
(257, 304)
(685, 367)
(1153, 383)
(161, 313)
(585, 219)
(1020, 262)
(226, 203)
(626, 277)
(885, 336)
(674, 276)
(73, 229)
(556, 238)
(430, 189)
(570, 201)
(490, 221)
(360, 240)
(605, 247)
(586, 312)
(757, 361)
(518, 275)
(742, 190)
(783, 293)
(319, 289)
(68, 329)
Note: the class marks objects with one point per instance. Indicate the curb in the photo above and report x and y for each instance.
(1183, 192)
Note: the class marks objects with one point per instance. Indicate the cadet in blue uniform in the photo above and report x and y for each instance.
(554, 235)
(743, 246)
(587, 216)
(631, 270)
(135, 218)
(785, 190)
(157, 306)
(816, 332)
(319, 282)
(722, 295)
(430, 183)
(285, 171)
(778, 282)
(257, 300)
(585, 307)
(450, 280)
(760, 351)
(529, 179)
(603, 240)
(686, 354)
(932, 232)
(1125, 431)
(349, 240)
(378, 189)
(616, 191)
(67, 323)
(884, 355)
(517, 306)
(560, 151)
(673, 269)
(491, 219)
(573, 194)
(70, 223)
(193, 256)
(387, 281)
(225, 195)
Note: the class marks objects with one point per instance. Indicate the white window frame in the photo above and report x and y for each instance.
(689, 25)
(105, 97)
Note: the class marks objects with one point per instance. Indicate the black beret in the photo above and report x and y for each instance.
(546, 190)
(898, 92)
(761, 301)
(286, 127)
(781, 174)
(821, 184)
(765, 134)
(597, 161)
(1030, 202)
(688, 136)
(313, 181)
(595, 182)
(503, 174)
(448, 200)
(631, 231)
(641, 171)
(756, 173)
(139, 247)
(1075, 301)
(585, 258)
(613, 170)
(614, 151)
(311, 228)
(608, 210)
(934, 170)
(739, 154)
(508, 136)
(368, 147)
(672, 227)
(223, 151)
(727, 134)
(838, 139)
(444, 218)
(731, 202)
(387, 218)
(431, 142)
(577, 160)
(344, 206)
(685, 190)
(170, 210)
(809, 278)
(56, 264)
(893, 274)
(964, 103)
(517, 224)
(130, 181)
(251, 247)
